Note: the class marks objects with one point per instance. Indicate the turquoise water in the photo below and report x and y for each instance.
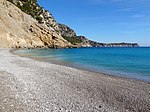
(127, 62)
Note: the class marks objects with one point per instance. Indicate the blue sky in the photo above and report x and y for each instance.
(104, 20)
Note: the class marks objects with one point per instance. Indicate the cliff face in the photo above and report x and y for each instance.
(32, 8)
(66, 31)
(20, 30)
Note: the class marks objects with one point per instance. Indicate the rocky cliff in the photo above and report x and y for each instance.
(66, 31)
(43, 16)
(19, 30)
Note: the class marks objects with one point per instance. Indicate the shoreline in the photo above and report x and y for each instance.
(78, 68)
(29, 85)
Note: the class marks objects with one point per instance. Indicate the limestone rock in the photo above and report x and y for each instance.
(20, 30)
(66, 31)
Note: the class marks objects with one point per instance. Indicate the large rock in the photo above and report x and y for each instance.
(18, 29)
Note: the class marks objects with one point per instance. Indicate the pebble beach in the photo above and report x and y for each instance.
(28, 85)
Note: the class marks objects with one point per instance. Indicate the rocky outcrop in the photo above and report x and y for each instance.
(66, 31)
(49, 20)
(19, 30)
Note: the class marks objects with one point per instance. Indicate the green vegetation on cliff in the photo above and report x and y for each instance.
(30, 7)
(73, 40)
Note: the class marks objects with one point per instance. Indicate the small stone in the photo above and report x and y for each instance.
(100, 106)
(11, 105)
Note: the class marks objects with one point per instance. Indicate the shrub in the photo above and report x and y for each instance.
(73, 40)
(30, 7)
(39, 19)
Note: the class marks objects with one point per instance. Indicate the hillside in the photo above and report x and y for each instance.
(20, 30)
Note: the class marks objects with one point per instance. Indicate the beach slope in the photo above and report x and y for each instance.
(28, 85)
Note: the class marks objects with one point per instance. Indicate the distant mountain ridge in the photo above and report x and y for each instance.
(44, 17)
(91, 43)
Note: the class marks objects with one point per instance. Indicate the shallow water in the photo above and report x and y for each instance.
(127, 62)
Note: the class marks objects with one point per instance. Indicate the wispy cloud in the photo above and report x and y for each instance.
(119, 1)
(137, 16)
(125, 9)
(136, 24)
(128, 1)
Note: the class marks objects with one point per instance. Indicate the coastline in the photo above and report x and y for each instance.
(68, 64)
(42, 86)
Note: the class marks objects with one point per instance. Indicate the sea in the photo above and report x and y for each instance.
(125, 62)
